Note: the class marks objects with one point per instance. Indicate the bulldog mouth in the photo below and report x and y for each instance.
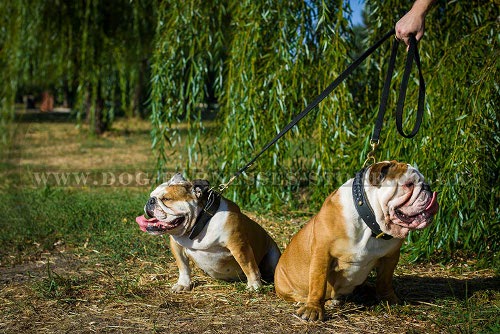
(419, 219)
(153, 225)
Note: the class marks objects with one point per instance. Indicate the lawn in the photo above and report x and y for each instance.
(73, 259)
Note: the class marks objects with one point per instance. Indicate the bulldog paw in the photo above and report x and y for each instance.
(254, 286)
(179, 288)
(333, 302)
(311, 312)
(390, 298)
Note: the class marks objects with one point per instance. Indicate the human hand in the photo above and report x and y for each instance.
(412, 23)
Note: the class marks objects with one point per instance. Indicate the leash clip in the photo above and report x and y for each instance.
(371, 155)
(224, 186)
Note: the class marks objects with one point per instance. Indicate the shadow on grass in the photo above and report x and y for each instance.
(420, 289)
(429, 289)
(35, 116)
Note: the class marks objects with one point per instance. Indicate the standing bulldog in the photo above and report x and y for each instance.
(360, 226)
(212, 231)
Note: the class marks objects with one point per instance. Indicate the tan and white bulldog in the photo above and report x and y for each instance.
(336, 250)
(229, 247)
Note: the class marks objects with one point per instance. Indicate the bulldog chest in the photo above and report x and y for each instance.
(350, 269)
(348, 275)
(216, 261)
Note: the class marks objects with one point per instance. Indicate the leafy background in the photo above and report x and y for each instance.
(239, 71)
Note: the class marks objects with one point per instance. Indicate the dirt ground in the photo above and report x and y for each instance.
(70, 290)
(65, 292)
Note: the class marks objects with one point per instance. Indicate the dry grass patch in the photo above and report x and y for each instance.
(66, 292)
(100, 274)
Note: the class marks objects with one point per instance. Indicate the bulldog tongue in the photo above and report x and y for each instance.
(144, 222)
(433, 206)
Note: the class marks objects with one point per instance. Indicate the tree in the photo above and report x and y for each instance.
(458, 146)
(271, 58)
(93, 52)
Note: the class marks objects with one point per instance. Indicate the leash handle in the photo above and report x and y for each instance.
(411, 56)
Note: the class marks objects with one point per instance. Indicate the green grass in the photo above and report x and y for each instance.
(73, 259)
(98, 219)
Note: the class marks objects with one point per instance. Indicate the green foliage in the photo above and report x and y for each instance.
(278, 62)
(252, 56)
(186, 71)
(92, 52)
(271, 59)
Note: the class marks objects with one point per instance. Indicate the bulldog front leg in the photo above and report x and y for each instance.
(243, 254)
(182, 261)
(385, 272)
(314, 308)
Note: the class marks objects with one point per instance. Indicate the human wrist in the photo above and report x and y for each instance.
(421, 7)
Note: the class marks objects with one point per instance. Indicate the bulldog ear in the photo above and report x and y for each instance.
(378, 172)
(177, 179)
(200, 187)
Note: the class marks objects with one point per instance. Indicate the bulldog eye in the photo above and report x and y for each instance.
(409, 185)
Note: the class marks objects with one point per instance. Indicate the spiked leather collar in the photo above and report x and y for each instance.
(208, 211)
(363, 206)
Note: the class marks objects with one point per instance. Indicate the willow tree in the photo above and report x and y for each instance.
(457, 147)
(262, 61)
(187, 71)
(94, 51)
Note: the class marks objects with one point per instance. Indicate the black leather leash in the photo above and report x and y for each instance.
(311, 106)
(359, 196)
(412, 55)
(358, 192)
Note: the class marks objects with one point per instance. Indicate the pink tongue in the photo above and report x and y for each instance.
(433, 205)
(144, 222)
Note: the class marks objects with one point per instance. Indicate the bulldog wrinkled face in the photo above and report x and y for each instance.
(172, 207)
(406, 201)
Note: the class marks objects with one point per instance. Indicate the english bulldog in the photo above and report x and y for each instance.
(212, 231)
(336, 250)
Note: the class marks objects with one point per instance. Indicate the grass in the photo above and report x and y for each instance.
(73, 260)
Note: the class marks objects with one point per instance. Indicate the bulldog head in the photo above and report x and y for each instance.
(401, 199)
(173, 206)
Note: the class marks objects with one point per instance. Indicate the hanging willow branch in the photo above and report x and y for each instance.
(187, 72)
(278, 61)
(90, 50)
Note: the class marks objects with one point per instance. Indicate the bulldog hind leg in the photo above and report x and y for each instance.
(244, 255)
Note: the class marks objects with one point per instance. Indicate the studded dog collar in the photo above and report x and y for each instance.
(209, 210)
(363, 207)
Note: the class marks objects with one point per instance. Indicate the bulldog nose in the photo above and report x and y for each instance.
(152, 201)
(426, 187)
